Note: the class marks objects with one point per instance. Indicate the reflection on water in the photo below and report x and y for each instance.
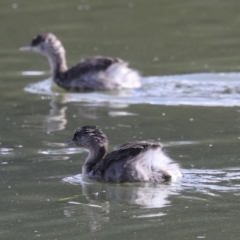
(158, 38)
(147, 195)
(206, 89)
(212, 182)
(56, 120)
(4, 151)
(96, 220)
(33, 73)
(207, 182)
(61, 151)
(98, 200)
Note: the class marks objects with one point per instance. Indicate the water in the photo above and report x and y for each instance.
(189, 54)
(204, 89)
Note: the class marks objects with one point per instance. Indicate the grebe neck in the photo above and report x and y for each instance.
(96, 154)
(57, 60)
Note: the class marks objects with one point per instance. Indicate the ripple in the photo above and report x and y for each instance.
(204, 180)
(75, 180)
(48, 158)
(53, 144)
(208, 182)
(5, 151)
(200, 89)
(61, 151)
(181, 143)
(146, 195)
(120, 114)
(33, 73)
(150, 215)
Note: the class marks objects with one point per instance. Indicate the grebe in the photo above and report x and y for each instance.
(141, 161)
(96, 73)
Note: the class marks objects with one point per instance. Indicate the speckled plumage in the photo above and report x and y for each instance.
(140, 161)
(96, 73)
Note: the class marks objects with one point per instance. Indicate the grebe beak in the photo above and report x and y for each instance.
(25, 48)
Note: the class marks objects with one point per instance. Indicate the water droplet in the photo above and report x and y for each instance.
(86, 7)
(130, 5)
(15, 6)
(80, 7)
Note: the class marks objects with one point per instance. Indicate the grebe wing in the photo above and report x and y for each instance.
(96, 64)
(128, 151)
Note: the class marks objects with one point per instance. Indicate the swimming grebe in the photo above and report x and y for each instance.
(96, 73)
(141, 161)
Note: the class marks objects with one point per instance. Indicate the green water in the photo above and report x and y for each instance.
(157, 38)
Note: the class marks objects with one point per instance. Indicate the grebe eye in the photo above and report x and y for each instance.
(37, 40)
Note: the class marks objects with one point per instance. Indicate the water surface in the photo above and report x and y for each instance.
(188, 53)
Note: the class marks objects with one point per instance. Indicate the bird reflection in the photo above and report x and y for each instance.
(56, 119)
(101, 201)
(147, 195)
(96, 198)
(95, 219)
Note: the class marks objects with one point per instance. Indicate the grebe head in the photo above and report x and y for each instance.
(89, 137)
(45, 44)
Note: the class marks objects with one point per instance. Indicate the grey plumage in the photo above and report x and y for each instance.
(96, 73)
(140, 161)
